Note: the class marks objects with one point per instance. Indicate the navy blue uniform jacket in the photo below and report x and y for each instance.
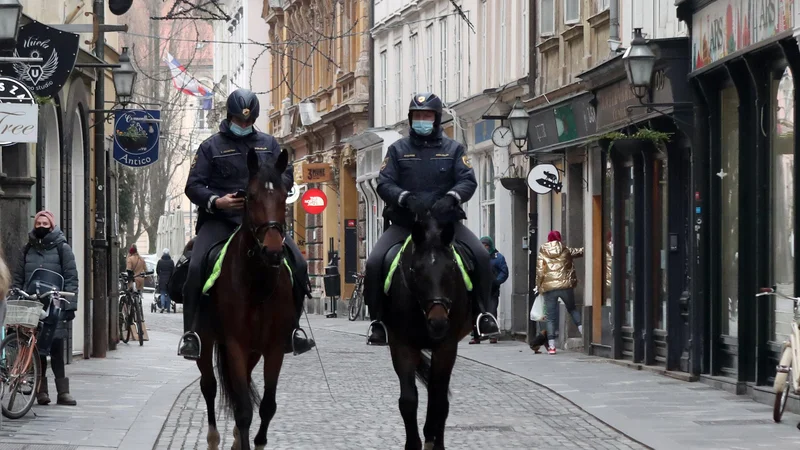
(219, 168)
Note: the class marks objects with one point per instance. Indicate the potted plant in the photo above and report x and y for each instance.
(134, 138)
(513, 180)
(646, 138)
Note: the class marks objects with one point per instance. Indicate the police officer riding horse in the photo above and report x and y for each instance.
(217, 180)
(426, 164)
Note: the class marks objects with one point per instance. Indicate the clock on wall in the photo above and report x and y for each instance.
(502, 136)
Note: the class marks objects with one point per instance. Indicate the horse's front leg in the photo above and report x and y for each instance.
(238, 365)
(272, 370)
(208, 386)
(442, 362)
(405, 360)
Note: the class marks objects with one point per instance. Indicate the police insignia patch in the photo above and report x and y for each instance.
(421, 98)
(467, 163)
(383, 164)
(194, 160)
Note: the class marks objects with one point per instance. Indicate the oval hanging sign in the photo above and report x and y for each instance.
(314, 201)
(136, 135)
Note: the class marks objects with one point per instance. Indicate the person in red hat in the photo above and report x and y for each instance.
(47, 248)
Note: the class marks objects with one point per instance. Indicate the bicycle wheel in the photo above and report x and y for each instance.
(137, 306)
(356, 300)
(783, 384)
(124, 321)
(20, 368)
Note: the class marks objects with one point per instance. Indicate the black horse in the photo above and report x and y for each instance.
(429, 309)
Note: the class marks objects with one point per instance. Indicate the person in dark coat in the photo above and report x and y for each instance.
(164, 270)
(47, 248)
(500, 272)
(426, 164)
(218, 171)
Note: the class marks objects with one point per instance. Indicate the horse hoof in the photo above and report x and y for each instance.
(428, 446)
(261, 447)
(213, 439)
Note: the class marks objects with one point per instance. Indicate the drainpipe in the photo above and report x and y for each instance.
(533, 39)
(614, 41)
(371, 102)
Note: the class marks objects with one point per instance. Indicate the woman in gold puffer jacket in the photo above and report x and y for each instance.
(556, 278)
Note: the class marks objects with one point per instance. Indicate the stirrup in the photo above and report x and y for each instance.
(199, 343)
(294, 335)
(385, 331)
(478, 327)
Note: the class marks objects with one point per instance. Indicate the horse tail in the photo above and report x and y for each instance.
(228, 391)
(423, 371)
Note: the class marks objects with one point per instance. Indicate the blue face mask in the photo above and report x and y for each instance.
(422, 127)
(239, 131)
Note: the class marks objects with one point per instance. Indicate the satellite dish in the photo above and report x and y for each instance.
(544, 178)
(294, 194)
(119, 7)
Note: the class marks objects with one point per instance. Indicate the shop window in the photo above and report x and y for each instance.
(608, 223)
(487, 196)
(628, 197)
(660, 243)
(782, 205)
(729, 205)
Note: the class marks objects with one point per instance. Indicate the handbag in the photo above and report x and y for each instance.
(538, 311)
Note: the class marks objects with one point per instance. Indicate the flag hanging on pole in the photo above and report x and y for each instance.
(186, 83)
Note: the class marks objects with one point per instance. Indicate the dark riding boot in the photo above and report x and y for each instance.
(42, 396)
(190, 342)
(64, 397)
(299, 342)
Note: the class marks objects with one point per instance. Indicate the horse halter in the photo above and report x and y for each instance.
(256, 230)
(430, 303)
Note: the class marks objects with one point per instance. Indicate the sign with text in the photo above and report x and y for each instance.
(315, 173)
(314, 201)
(19, 122)
(58, 51)
(613, 101)
(727, 26)
(136, 137)
(12, 91)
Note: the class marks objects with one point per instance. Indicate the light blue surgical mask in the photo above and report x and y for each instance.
(422, 127)
(239, 131)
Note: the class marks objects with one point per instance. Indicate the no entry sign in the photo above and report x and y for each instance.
(314, 201)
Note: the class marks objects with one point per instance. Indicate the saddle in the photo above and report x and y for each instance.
(464, 257)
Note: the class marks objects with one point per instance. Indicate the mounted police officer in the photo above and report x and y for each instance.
(218, 172)
(422, 165)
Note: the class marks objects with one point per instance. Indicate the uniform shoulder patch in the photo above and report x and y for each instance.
(467, 162)
(383, 164)
(194, 160)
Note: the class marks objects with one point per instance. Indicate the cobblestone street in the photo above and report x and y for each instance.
(489, 408)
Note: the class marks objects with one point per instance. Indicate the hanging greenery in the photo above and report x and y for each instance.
(656, 137)
(43, 100)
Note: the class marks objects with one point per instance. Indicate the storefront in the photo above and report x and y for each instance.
(640, 229)
(745, 191)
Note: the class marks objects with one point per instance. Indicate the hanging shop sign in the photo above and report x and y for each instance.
(725, 27)
(14, 92)
(136, 137)
(18, 122)
(544, 178)
(315, 173)
(573, 118)
(293, 195)
(58, 51)
(314, 201)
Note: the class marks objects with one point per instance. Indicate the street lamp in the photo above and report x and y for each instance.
(519, 120)
(10, 13)
(639, 62)
(124, 77)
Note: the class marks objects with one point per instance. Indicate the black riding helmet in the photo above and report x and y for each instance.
(426, 101)
(243, 104)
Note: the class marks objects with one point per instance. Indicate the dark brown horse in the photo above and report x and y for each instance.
(250, 311)
(429, 308)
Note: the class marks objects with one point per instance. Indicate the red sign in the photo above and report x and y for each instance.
(351, 223)
(314, 201)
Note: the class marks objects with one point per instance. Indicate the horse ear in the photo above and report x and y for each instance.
(418, 233)
(282, 162)
(252, 162)
(448, 233)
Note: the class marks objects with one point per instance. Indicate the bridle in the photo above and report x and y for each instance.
(256, 230)
(429, 304)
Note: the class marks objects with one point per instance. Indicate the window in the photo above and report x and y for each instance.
(443, 59)
(502, 41)
(201, 117)
(547, 17)
(485, 58)
(398, 80)
(459, 59)
(601, 5)
(523, 45)
(429, 59)
(412, 42)
(729, 203)
(572, 11)
(487, 196)
(384, 92)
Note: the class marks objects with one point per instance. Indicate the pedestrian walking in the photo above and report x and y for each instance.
(164, 269)
(556, 278)
(136, 264)
(497, 262)
(47, 248)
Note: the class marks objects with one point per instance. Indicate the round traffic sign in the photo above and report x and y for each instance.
(314, 201)
(293, 195)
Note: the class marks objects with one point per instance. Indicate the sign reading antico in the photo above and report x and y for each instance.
(727, 26)
(18, 122)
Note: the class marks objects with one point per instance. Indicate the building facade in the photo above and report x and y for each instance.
(320, 74)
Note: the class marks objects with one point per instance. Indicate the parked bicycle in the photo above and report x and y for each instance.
(30, 319)
(787, 377)
(130, 307)
(356, 303)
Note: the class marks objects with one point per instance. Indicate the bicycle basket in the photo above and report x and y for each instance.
(23, 312)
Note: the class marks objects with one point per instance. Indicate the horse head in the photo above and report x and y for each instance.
(265, 206)
(436, 278)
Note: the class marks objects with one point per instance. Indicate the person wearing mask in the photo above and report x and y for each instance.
(164, 270)
(218, 171)
(500, 273)
(47, 248)
(426, 163)
(556, 278)
(135, 263)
